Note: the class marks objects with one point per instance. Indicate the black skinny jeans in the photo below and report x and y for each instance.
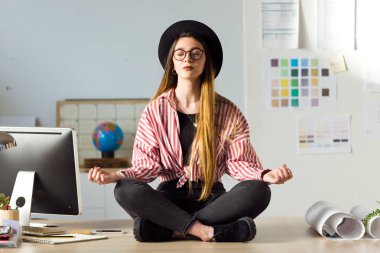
(176, 208)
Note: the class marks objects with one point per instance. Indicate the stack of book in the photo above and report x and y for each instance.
(46, 235)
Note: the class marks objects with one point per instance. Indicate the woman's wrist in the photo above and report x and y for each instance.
(119, 175)
(264, 173)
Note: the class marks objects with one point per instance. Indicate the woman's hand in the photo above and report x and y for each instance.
(100, 176)
(278, 176)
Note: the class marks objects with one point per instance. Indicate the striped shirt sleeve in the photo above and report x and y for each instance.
(242, 160)
(146, 163)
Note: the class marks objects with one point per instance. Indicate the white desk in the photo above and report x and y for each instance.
(288, 234)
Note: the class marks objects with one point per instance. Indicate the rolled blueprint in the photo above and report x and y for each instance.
(373, 224)
(332, 223)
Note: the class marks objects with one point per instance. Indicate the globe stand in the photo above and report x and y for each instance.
(108, 154)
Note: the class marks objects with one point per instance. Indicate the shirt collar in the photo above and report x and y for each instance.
(169, 96)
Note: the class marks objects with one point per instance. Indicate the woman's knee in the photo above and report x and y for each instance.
(264, 189)
(259, 191)
(256, 185)
(127, 190)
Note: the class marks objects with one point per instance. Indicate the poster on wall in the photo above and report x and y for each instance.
(324, 134)
(280, 23)
(372, 119)
(298, 82)
(372, 77)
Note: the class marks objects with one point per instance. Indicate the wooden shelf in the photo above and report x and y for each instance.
(105, 162)
(86, 170)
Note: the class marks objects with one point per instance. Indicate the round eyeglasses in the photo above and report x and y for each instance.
(195, 54)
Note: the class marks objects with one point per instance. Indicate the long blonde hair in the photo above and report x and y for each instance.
(203, 150)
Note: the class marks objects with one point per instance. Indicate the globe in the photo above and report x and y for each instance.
(107, 137)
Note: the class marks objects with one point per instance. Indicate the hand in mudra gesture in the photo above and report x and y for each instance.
(279, 175)
(101, 176)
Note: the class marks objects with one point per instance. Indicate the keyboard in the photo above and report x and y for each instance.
(41, 231)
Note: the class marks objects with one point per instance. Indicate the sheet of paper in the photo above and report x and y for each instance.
(336, 24)
(324, 134)
(337, 64)
(372, 75)
(373, 225)
(329, 221)
(372, 119)
(280, 23)
(298, 82)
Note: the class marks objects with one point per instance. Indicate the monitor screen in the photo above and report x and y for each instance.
(52, 154)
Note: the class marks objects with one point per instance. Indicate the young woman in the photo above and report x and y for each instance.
(190, 136)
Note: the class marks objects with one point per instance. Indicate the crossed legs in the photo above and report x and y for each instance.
(173, 208)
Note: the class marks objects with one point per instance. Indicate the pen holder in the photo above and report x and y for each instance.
(11, 218)
(9, 215)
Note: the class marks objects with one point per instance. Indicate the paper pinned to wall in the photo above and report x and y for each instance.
(324, 134)
(336, 24)
(280, 23)
(337, 63)
(372, 76)
(372, 119)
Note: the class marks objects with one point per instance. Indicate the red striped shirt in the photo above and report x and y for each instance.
(157, 150)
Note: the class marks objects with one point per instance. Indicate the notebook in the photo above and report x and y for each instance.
(59, 239)
(40, 231)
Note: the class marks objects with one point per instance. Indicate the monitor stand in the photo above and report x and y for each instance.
(21, 198)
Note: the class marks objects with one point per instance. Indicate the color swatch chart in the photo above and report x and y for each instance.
(299, 82)
(326, 134)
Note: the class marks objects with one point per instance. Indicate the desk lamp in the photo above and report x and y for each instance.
(6, 141)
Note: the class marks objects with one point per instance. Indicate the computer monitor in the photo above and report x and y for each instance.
(52, 154)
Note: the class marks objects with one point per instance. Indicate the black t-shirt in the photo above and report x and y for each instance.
(186, 134)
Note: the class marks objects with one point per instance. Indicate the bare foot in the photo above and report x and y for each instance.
(205, 233)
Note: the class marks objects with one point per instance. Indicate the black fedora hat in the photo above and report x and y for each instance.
(197, 28)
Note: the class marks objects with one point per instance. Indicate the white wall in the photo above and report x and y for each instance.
(346, 179)
(54, 50)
